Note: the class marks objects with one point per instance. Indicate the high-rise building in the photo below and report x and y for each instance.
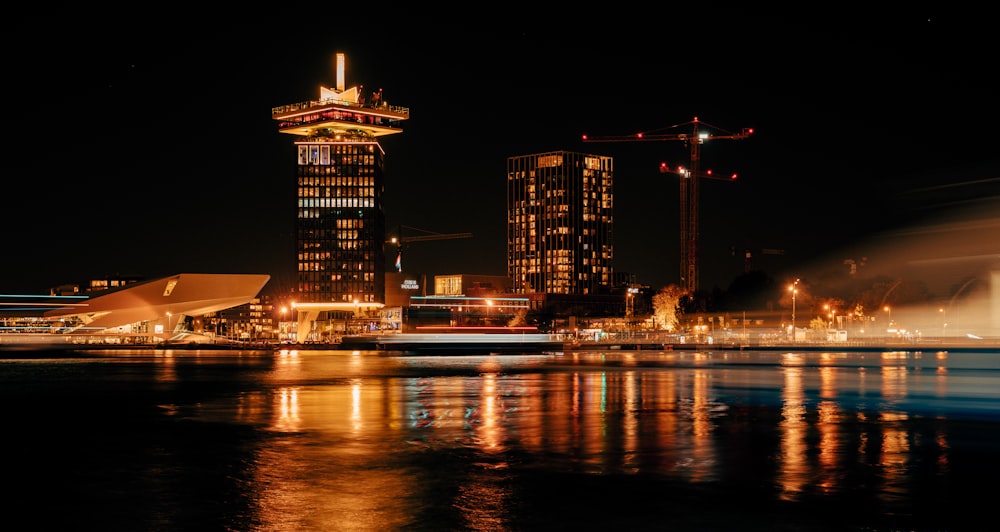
(340, 220)
(559, 223)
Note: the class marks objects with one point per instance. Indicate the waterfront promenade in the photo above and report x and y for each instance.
(875, 343)
(506, 344)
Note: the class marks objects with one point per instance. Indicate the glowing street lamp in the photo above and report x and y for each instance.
(944, 321)
(794, 291)
(166, 331)
(888, 316)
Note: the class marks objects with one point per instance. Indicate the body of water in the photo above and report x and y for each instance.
(622, 440)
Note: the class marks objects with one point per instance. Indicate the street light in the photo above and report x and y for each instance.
(944, 321)
(283, 323)
(794, 291)
(888, 317)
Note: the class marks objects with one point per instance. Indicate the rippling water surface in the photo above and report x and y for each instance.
(335, 440)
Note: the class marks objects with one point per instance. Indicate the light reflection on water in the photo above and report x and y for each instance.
(366, 441)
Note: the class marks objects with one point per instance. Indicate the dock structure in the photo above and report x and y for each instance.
(469, 344)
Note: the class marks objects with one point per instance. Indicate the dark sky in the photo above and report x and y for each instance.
(142, 144)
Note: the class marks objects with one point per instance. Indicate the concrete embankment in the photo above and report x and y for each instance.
(500, 344)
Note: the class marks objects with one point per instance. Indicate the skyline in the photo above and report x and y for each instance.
(863, 128)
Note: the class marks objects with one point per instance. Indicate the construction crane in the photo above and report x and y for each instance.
(398, 239)
(689, 183)
(749, 252)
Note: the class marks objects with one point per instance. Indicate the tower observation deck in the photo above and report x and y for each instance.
(346, 113)
(337, 116)
(340, 229)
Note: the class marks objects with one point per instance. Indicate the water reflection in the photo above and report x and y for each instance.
(794, 469)
(366, 438)
(830, 419)
(365, 441)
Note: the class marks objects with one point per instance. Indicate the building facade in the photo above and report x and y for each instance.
(560, 223)
(473, 285)
(340, 220)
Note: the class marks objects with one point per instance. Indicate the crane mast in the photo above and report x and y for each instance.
(690, 179)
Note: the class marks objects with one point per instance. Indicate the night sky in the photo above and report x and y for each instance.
(144, 145)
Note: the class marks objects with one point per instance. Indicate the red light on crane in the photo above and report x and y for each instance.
(688, 190)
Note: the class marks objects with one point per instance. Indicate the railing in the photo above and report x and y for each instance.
(333, 101)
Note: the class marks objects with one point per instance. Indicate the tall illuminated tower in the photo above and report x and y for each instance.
(559, 223)
(340, 220)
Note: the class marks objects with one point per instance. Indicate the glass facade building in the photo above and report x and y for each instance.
(559, 223)
(340, 217)
(340, 222)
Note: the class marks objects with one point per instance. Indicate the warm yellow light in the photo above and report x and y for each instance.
(341, 82)
(346, 305)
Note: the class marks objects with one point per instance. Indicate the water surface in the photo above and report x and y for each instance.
(335, 440)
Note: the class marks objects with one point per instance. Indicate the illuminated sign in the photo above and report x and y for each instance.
(170, 287)
(410, 284)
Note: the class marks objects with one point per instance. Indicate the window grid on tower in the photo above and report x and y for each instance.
(559, 222)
